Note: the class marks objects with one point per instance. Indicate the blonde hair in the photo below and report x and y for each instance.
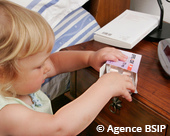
(23, 33)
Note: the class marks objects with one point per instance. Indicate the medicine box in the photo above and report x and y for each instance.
(129, 67)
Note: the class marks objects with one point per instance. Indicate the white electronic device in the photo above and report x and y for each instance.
(164, 54)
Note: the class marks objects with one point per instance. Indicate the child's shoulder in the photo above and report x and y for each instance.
(41, 102)
(3, 101)
(8, 100)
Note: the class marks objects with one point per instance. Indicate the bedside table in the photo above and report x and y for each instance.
(151, 106)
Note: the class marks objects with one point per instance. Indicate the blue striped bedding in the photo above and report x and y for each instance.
(52, 10)
(77, 27)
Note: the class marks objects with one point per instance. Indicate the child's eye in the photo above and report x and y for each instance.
(39, 67)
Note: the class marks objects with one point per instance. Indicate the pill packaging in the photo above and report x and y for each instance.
(107, 68)
(132, 75)
(129, 67)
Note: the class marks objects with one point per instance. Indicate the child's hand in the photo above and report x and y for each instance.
(117, 85)
(98, 58)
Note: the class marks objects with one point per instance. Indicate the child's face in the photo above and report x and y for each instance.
(34, 70)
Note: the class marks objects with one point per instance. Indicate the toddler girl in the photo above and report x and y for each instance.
(26, 41)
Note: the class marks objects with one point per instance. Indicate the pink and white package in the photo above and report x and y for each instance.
(129, 67)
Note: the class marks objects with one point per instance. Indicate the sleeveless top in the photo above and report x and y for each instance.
(41, 102)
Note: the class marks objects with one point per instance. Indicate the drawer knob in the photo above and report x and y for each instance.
(116, 104)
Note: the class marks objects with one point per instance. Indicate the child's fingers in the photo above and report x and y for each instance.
(129, 88)
(127, 96)
(113, 54)
(130, 85)
(121, 56)
(127, 78)
(114, 57)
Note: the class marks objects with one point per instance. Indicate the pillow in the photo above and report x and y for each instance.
(52, 10)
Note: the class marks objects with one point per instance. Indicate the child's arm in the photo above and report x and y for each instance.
(88, 105)
(67, 61)
(72, 118)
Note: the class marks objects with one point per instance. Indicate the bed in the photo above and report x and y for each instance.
(71, 24)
